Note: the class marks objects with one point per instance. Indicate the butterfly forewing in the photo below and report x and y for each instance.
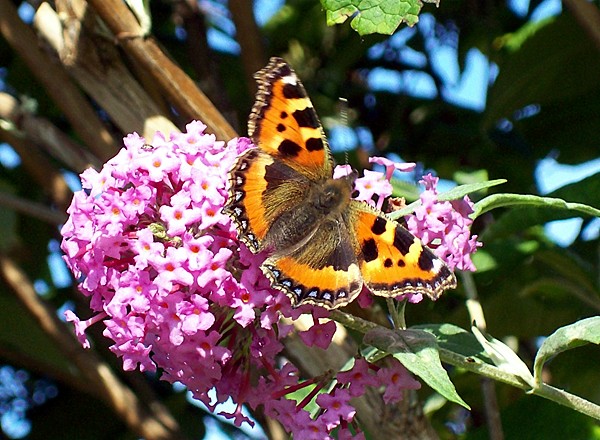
(284, 124)
(260, 189)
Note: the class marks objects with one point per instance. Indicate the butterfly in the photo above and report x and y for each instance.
(322, 246)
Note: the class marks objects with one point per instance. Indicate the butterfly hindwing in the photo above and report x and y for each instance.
(284, 124)
(392, 260)
(322, 271)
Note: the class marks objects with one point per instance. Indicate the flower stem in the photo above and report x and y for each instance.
(396, 311)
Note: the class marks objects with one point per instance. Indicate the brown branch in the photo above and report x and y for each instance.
(57, 83)
(95, 63)
(488, 387)
(50, 180)
(492, 410)
(588, 16)
(139, 417)
(32, 209)
(45, 134)
(250, 40)
(203, 60)
(179, 89)
(18, 358)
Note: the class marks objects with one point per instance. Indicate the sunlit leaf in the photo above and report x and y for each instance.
(373, 16)
(546, 68)
(503, 356)
(453, 338)
(455, 193)
(518, 200)
(565, 338)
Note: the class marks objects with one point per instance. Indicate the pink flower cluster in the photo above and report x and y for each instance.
(374, 187)
(445, 226)
(175, 291)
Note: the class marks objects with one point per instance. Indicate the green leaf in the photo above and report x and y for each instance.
(512, 42)
(455, 193)
(418, 351)
(517, 200)
(477, 176)
(573, 273)
(556, 291)
(585, 190)
(534, 210)
(404, 189)
(572, 131)
(520, 219)
(503, 356)
(484, 261)
(565, 338)
(455, 339)
(460, 191)
(534, 418)
(372, 16)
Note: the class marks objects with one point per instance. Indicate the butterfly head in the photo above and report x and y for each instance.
(332, 195)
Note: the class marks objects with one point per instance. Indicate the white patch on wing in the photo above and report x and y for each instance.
(437, 265)
(290, 79)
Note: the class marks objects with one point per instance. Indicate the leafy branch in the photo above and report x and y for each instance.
(457, 347)
(515, 200)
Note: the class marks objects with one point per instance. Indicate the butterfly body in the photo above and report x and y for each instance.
(322, 207)
(322, 245)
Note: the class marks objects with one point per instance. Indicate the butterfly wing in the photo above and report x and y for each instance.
(284, 124)
(323, 271)
(292, 152)
(393, 261)
(260, 190)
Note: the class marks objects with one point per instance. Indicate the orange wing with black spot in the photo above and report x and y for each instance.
(392, 260)
(277, 195)
(323, 271)
(292, 152)
(285, 125)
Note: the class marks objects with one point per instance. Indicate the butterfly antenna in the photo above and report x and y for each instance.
(344, 121)
(353, 174)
